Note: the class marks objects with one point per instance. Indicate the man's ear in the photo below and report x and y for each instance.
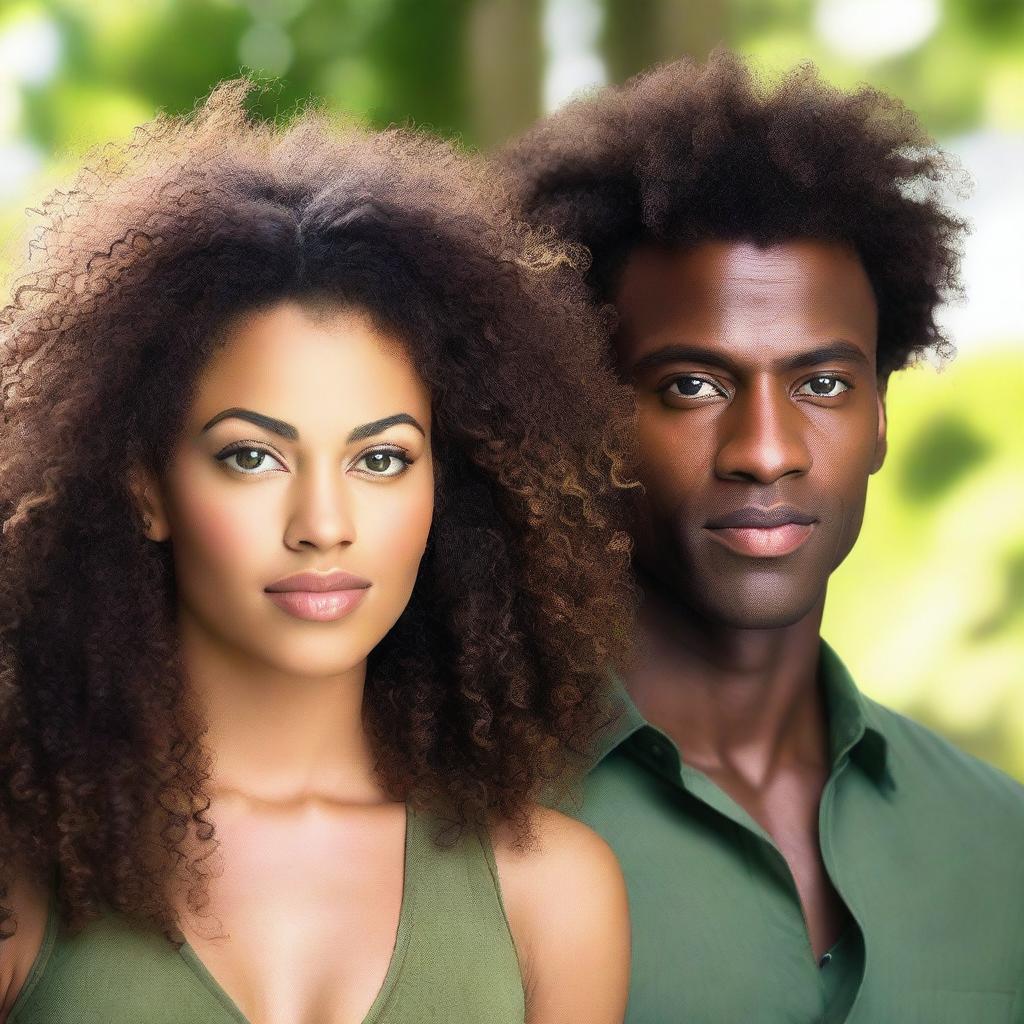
(147, 497)
(881, 443)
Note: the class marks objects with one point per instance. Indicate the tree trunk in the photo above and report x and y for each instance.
(505, 68)
(640, 33)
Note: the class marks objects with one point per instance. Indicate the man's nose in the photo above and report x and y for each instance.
(763, 436)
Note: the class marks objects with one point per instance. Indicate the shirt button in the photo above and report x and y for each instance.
(825, 960)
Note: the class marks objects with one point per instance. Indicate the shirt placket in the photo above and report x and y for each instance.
(781, 905)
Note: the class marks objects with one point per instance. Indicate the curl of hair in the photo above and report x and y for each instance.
(491, 686)
(688, 153)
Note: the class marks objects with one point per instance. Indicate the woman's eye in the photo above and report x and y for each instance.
(692, 387)
(824, 387)
(384, 463)
(251, 461)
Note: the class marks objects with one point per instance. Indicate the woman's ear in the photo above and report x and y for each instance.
(147, 498)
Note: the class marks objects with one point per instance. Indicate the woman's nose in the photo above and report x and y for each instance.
(321, 513)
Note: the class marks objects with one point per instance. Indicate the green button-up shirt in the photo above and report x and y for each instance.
(924, 844)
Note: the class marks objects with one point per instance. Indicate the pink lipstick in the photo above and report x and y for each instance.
(318, 596)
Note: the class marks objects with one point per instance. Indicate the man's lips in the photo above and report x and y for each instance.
(761, 532)
(318, 596)
(759, 517)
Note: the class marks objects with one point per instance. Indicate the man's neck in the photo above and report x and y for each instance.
(736, 701)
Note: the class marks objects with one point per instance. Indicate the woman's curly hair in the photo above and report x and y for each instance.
(684, 154)
(491, 685)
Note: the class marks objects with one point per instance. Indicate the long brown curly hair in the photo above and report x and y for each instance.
(490, 687)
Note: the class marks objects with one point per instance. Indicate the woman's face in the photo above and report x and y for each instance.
(306, 450)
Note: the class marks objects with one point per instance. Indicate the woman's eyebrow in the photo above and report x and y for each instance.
(279, 427)
(286, 430)
(376, 426)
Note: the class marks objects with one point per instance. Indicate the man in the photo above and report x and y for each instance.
(794, 851)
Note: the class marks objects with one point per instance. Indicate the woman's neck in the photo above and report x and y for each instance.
(275, 737)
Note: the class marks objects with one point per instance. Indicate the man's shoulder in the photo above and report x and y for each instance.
(922, 759)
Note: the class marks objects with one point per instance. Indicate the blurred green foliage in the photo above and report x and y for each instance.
(969, 72)
(388, 60)
(929, 608)
(394, 60)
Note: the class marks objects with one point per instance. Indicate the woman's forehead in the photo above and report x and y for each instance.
(327, 372)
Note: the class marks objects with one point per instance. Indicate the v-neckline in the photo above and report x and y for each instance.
(405, 919)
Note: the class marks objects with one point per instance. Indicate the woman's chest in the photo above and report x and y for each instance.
(303, 915)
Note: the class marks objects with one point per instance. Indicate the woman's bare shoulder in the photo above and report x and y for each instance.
(566, 903)
(561, 848)
(29, 903)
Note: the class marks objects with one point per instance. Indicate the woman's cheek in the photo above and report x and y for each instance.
(395, 532)
(221, 536)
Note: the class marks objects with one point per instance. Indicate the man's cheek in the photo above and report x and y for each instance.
(666, 480)
(655, 461)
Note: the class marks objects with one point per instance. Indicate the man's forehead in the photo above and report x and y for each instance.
(729, 290)
(739, 265)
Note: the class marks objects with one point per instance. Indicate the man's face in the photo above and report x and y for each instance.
(760, 419)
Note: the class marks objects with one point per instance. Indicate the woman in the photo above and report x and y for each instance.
(309, 584)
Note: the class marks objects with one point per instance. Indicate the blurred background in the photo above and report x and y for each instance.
(929, 609)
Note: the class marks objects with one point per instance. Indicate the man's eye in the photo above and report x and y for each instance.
(692, 387)
(823, 387)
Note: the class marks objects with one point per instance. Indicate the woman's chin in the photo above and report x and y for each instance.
(314, 664)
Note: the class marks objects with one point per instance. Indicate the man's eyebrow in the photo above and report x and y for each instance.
(289, 432)
(681, 354)
(279, 427)
(825, 354)
(699, 354)
(376, 426)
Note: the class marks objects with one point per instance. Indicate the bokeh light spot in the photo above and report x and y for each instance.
(571, 30)
(30, 48)
(266, 47)
(875, 29)
(20, 160)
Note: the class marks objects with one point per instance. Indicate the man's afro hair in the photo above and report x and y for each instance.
(687, 153)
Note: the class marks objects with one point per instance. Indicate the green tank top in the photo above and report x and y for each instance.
(454, 959)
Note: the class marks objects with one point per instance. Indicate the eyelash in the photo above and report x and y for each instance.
(839, 378)
(687, 377)
(255, 446)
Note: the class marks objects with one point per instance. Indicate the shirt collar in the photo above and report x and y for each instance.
(626, 720)
(853, 725)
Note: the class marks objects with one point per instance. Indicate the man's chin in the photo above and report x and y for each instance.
(768, 600)
(760, 611)
(755, 619)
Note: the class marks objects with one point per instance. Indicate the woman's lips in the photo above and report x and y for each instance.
(763, 541)
(323, 606)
